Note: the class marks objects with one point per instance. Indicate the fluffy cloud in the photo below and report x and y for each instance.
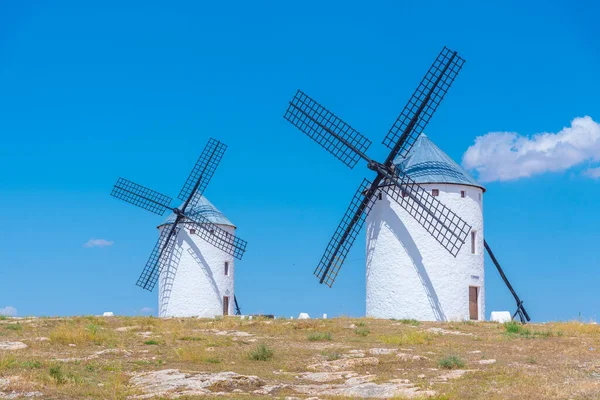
(503, 156)
(8, 311)
(146, 310)
(98, 243)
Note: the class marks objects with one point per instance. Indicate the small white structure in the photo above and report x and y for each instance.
(409, 274)
(303, 315)
(108, 314)
(198, 280)
(500, 316)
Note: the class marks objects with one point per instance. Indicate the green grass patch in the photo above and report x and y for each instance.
(411, 322)
(191, 338)
(152, 342)
(212, 360)
(362, 331)
(261, 353)
(319, 336)
(451, 362)
(15, 327)
(57, 375)
(331, 355)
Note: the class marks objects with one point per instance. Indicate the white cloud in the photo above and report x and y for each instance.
(146, 310)
(98, 243)
(503, 156)
(593, 173)
(8, 311)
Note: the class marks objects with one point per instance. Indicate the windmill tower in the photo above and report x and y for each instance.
(193, 260)
(408, 274)
(414, 209)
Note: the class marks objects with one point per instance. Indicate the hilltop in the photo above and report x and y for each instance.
(141, 358)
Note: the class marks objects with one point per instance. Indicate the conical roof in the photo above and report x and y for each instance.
(427, 163)
(205, 209)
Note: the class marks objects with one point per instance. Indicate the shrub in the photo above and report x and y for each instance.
(261, 353)
(319, 336)
(513, 327)
(362, 331)
(3, 317)
(57, 374)
(15, 327)
(451, 362)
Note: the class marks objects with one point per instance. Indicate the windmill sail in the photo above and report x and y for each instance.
(202, 173)
(160, 256)
(141, 196)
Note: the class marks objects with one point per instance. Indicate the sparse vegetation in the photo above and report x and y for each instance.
(57, 375)
(451, 362)
(407, 338)
(15, 327)
(319, 336)
(411, 322)
(3, 317)
(261, 353)
(362, 331)
(331, 355)
(106, 356)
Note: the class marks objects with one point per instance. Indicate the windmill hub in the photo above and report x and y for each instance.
(177, 212)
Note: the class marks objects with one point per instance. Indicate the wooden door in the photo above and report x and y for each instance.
(225, 305)
(473, 303)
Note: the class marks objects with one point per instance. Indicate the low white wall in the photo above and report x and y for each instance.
(410, 275)
(193, 283)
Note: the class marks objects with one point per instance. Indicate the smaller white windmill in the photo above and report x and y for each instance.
(193, 260)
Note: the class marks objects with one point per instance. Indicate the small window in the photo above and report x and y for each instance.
(380, 196)
(404, 194)
(479, 196)
(463, 194)
(473, 242)
(435, 192)
(192, 231)
(226, 268)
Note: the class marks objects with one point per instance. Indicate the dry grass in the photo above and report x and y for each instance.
(549, 361)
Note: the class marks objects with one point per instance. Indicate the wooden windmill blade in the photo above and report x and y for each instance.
(160, 256)
(422, 104)
(218, 237)
(202, 173)
(141, 196)
(334, 135)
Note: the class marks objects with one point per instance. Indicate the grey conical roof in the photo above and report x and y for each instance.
(427, 163)
(205, 209)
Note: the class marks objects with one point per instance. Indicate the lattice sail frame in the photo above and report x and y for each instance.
(318, 123)
(339, 246)
(443, 224)
(218, 237)
(141, 196)
(203, 171)
(160, 256)
(443, 71)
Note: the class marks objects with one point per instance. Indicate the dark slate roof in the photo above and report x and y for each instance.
(204, 208)
(427, 163)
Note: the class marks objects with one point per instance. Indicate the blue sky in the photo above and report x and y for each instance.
(90, 92)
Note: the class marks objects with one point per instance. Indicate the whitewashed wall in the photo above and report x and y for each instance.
(410, 275)
(194, 282)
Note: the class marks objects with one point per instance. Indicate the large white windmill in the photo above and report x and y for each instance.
(193, 260)
(419, 218)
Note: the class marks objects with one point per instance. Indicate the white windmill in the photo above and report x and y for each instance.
(417, 266)
(193, 260)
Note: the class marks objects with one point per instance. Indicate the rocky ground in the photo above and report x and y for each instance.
(148, 358)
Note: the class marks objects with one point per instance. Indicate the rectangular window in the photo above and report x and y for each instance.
(463, 194)
(226, 268)
(435, 192)
(479, 196)
(192, 231)
(225, 305)
(473, 242)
